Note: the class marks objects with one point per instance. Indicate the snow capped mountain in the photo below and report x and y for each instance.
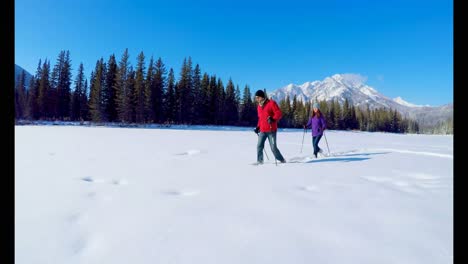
(354, 88)
(18, 70)
(405, 103)
(337, 87)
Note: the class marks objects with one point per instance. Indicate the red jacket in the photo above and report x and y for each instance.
(269, 108)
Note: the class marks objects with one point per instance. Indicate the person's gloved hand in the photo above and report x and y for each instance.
(257, 130)
(270, 120)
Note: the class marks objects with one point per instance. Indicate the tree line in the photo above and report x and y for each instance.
(149, 93)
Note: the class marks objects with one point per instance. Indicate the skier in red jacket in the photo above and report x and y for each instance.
(268, 116)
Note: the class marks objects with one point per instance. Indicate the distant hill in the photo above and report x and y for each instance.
(18, 70)
(353, 87)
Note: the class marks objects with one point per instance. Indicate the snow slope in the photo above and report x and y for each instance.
(134, 195)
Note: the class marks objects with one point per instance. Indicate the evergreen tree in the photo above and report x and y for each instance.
(76, 104)
(248, 111)
(64, 88)
(205, 100)
(157, 90)
(20, 96)
(285, 106)
(197, 95)
(237, 100)
(52, 97)
(220, 99)
(131, 94)
(171, 100)
(109, 96)
(346, 115)
(43, 101)
(31, 99)
(354, 121)
(189, 93)
(213, 101)
(293, 113)
(139, 90)
(122, 89)
(184, 92)
(96, 106)
(230, 105)
(59, 94)
(149, 82)
(84, 114)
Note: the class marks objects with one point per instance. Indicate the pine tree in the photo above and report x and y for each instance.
(20, 96)
(43, 101)
(109, 96)
(65, 85)
(121, 89)
(308, 110)
(288, 112)
(139, 92)
(84, 112)
(346, 115)
(157, 91)
(237, 100)
(76, 104)
(205, 99)
(53, 93)
(33, 97)
(131, 94)
(230, 105)
(64, 88)
(189, 93)
(59, 95)
(220, 99)
(197, 95)
(293, 113)
(96, 106)
(338, 115)
(170, 98)
(184, 92)
(213, 101)
(247, 107)
(395, 122)
(354, 121)
(149, 82)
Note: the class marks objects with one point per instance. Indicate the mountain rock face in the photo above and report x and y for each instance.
(18, 70)
(354, 88)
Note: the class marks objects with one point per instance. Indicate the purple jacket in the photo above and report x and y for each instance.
(318, 125)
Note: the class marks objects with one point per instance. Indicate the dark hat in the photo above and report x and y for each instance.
(260, 93)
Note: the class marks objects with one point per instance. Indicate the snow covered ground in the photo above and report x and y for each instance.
(134, 195)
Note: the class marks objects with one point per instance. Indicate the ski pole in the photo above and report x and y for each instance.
(305, 130)
(264, 150)
(326, 141)
(274, 144)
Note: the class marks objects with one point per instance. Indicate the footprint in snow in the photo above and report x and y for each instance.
(91, 179)
(120, 182)
(310, 188)
(182, 192)
(189, 152)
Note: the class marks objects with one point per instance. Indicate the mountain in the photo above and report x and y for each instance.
(354, 88)
(18, 70)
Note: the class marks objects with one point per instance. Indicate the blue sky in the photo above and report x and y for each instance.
(404, 48)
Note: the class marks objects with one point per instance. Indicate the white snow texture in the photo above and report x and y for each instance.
(134, 195)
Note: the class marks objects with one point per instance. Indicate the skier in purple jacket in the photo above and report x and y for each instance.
(318, 124)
